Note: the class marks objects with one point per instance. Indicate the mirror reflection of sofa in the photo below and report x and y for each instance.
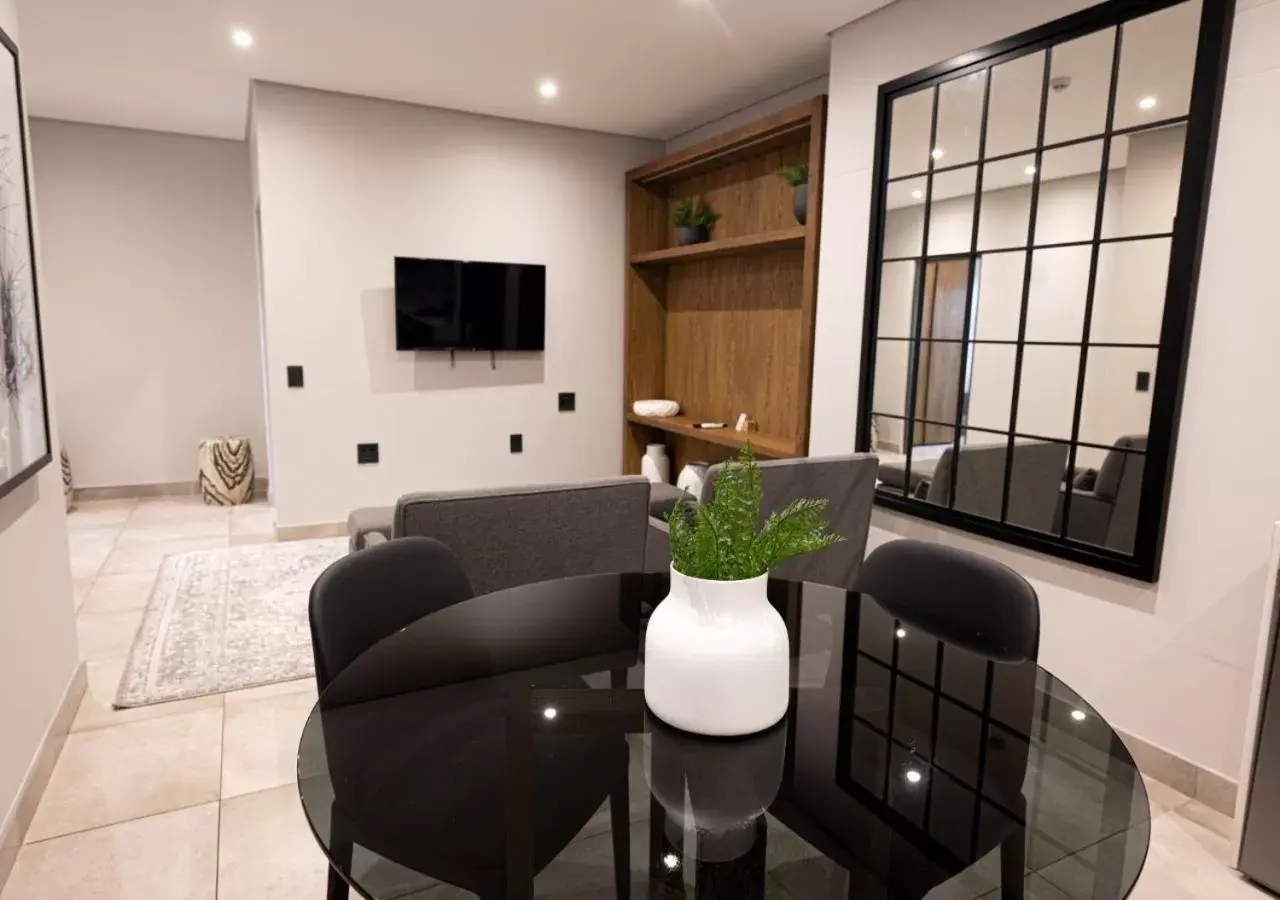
(1033, 483)
(1104, 503)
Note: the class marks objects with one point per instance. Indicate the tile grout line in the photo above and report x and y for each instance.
(222, 768)
(153, 815)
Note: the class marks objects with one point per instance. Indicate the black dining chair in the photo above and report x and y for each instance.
(961, 597)
(366, 596)
(974, 603)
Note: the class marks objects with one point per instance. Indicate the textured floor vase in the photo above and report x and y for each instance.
(222, 620)
(716, 657)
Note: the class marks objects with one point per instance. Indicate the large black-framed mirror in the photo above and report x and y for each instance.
(1037, 215)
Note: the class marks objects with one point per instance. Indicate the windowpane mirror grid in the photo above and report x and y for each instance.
(1068, 201)
(912, 124)
(1129, 292)
(951, 211)
(1013, 112)
(904, 218)
(1034, 246)
(1006, 203)
(959, 119)
(1142, 185)
(1079, 86)
(1157, 62)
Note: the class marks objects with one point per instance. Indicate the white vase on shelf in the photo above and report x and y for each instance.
(716, 657)
(654, 465)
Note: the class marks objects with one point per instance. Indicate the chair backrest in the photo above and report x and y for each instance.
(958, 596)
(847, 483)
(366, 596)
(1038, 469)
(511, 536)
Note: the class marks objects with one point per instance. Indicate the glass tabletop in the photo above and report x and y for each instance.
(501, 748)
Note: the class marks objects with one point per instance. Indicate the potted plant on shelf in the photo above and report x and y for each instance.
(798, 178)
(717, 658)
(693, 221)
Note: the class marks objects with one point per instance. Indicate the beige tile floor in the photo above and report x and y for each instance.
(195, 800)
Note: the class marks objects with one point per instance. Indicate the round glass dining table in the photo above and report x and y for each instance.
(501, 748)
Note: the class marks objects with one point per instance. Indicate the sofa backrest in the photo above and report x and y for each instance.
(1037, 472)
(510, 536)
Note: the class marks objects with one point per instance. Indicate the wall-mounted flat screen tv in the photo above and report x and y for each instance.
(449, 304)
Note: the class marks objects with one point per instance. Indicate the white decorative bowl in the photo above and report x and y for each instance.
(659, 408)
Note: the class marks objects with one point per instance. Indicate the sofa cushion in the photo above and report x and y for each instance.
(663, 499)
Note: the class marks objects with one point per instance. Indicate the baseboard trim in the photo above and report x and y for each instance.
(14, 831)
(1211, 788)
(311, 532)
(146, 491)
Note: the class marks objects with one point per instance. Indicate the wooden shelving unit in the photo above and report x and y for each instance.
(726, 326)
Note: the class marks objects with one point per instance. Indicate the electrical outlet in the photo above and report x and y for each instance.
(366, 454)
(1144, 382)
(293, 374)
(568, 401)
(517, 443)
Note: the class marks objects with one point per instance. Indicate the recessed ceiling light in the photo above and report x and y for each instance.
(548, 89)
(913, 776)
(1147, 102)
(901, 633)
(1079, 715)
(242, 38)
(938, 153)
(1029, 170)
(550, 712)
(916, 195)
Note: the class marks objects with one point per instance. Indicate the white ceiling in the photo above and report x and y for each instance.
(643, 67)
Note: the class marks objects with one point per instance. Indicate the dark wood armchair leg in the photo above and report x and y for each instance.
(1013, 866)
(338, 889)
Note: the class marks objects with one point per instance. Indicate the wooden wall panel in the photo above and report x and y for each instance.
(733, 338)
(750, 197)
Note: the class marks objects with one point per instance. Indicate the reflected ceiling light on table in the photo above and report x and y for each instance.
(938, 153)
(1147, 102)
(549, 713)
(1078, 715)
(913, 776)
(671, 861)
(242, 38)
(901, 633)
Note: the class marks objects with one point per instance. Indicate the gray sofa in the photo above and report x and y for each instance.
(848, 484)
(510, 536)
(1034, 482)
(1104, 506)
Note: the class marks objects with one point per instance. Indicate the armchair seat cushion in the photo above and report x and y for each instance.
(368, 525)
(663, 499)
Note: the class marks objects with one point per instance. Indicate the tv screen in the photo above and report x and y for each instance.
(448, 304)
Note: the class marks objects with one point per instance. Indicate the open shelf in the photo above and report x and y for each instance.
(751, 243)
(764, 444)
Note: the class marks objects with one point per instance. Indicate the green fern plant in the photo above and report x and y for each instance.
(794, 175)
(694, 213)
(720, 541)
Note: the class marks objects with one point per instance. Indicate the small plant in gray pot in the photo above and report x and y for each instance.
(693, 221)
(798, 178)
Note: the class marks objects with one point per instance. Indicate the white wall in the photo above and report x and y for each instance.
(150, 273)
(749, 114)
(38, 655)
(1169, 663)
(346, 185)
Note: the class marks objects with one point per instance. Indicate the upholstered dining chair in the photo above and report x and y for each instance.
(986, 608)
(367, 596)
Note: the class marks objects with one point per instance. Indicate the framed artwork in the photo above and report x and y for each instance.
(25, 447)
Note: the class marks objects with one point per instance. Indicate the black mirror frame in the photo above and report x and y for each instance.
(1207, 88)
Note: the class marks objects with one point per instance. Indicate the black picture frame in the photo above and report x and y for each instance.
(1208, 84)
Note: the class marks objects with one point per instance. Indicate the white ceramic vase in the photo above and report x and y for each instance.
(716, 657)
(654, 465)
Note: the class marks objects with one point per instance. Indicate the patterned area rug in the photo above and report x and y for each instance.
(222, 620)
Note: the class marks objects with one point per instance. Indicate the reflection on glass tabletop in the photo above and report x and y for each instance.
(502, 748)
